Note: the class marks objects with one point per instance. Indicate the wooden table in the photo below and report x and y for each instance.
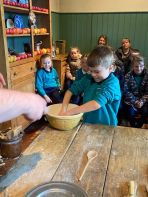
(57, 155)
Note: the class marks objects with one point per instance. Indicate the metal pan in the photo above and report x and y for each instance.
(57, 189)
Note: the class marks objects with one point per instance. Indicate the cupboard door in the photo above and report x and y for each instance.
(25, 86)
(59, 63)
(21, 73)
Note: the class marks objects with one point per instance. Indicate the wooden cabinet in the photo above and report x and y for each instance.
(59, 63)
(26, 85)
(20, 74)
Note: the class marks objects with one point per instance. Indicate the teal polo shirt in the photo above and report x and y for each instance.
(106, 93)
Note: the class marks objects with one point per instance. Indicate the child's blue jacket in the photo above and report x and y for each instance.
(45, 80)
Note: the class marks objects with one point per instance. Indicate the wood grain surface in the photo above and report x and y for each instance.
(122, 158)
(89, 137)
(128, 161)
(38, 163)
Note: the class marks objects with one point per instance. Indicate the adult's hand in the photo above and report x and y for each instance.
(47, 98)
(16, 103)
(36, 107)
(139, 104)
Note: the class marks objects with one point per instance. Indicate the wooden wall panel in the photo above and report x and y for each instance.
(76, 30)
(83, 29)
(55, 26)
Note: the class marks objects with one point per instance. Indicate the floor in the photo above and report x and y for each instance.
(125, 123)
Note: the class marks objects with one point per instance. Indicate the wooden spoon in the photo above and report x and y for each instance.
(87, 158)
(132, 188)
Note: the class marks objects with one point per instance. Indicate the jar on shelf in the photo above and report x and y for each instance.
(53, 50)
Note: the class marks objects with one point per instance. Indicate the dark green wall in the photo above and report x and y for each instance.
(82, 30)
(55, 26)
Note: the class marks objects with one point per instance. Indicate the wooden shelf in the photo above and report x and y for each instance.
(40, 12)
(17, 35)
(22, 10)
(62, 57)
(37, 57)
(15, 9)
(24, 35)
(22, 61)
(45, 34)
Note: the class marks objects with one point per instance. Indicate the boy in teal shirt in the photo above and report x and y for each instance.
(101, 90)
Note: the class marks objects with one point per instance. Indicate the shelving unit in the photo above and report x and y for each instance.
(20, 74)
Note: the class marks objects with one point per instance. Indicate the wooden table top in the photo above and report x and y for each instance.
(55, 155)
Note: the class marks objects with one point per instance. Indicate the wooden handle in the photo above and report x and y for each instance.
(83, 171)
(85, 162)
(82, 168)
(146, 188)
(132, 189)
(15, 73)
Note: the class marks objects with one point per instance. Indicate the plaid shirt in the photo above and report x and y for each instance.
(131, 91)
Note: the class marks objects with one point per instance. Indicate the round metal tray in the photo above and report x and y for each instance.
(57, 189)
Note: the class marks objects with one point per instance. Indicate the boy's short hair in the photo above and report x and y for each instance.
(125, 39)
(101, 55)
(137, 58)
(45, 56)
(74, 48)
